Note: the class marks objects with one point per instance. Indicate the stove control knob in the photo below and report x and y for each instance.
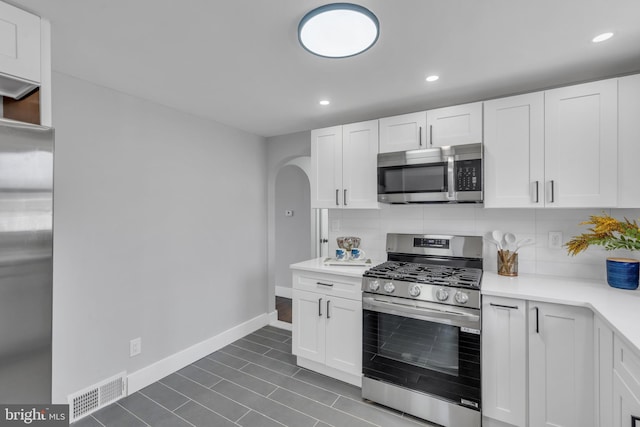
(442, 294)
(389, 287)
(414, 290)
(374, 285)
(461, 297)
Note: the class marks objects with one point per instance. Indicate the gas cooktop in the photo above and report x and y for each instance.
(439, 275)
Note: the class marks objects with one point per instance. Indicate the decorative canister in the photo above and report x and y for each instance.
(622, 273)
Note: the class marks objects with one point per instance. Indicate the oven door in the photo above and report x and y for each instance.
(430, 348)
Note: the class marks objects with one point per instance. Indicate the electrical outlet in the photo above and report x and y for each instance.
(135, 347)
(555, 239)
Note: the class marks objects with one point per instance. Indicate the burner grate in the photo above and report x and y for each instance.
(427, 273)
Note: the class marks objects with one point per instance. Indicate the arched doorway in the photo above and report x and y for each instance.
(292, 224)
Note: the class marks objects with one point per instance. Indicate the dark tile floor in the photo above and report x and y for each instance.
(253, 382)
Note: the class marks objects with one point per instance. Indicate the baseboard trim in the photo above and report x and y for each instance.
(283, 291)
(280, 324)
(160, 369)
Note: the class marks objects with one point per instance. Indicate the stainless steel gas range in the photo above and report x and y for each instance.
(421, 328)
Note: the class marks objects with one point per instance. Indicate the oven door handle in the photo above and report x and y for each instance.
(447, 317)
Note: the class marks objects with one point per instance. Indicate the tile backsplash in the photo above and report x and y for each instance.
(372, 227)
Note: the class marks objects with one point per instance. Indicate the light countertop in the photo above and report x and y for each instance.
(620, 309)
(318, 265)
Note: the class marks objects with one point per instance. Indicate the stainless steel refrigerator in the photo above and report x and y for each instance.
(26, 264)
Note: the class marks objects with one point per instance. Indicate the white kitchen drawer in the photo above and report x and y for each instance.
(626, 363)
(329, 284)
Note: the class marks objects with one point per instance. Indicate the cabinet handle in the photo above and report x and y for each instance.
(537, 191)
(430, 134)
(337, 195)
(328, 316)
(537, 320)
(514, 307)
(420, 135)
(552, 191)
(319, 307)
(324, 284)
(344, 197)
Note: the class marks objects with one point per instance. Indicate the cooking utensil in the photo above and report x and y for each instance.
(525, 242)
(498, 236)
(509, 239)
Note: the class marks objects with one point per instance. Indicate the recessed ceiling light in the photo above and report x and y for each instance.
(432, 78)
(325, 102)
(602, 37)
(338, 30)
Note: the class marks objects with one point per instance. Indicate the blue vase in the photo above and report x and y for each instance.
(622, 273)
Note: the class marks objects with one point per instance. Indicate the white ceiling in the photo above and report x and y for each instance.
(239, 62)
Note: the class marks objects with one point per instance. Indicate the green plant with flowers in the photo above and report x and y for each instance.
(608, 232)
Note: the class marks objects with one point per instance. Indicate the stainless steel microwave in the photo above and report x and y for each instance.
(450, 174)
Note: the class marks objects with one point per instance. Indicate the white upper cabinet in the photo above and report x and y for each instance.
(514, 151)
(403, 133)
(460, 124)
(628, 141)
(344, 166)
(326, 167)
(19, 51)
(581, 145)
(553, 149)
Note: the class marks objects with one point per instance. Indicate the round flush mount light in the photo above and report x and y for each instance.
(324, 102)
(602, 37)
(432, 78)
(338, 30)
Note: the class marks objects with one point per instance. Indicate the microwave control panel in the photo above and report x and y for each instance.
(469, 175)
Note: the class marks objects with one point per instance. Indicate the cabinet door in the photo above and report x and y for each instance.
(514, 151)
(308, 328)
(359, 165)
(504, 360)
(402, 133)
(581, 145)
(561, 366)
(460, 124)
(344, 335)
(628, 147)
(603, 342)
(19, 44)
(326, 167)
(626, 405)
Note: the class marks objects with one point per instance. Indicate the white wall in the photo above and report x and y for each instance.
(281, 150)
(293, 233)
(159, 232)
(373, 225)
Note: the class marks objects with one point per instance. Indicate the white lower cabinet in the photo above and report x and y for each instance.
(626, 385)
(603, 341)
(504, 360)
(327, 329)
(561, 377)
(552, 344)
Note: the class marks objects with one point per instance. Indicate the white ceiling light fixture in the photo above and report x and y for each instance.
(602, 37)
(325, 102)
(338, 30)
(432, 78)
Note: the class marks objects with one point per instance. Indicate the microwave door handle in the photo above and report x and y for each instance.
(450, 178)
